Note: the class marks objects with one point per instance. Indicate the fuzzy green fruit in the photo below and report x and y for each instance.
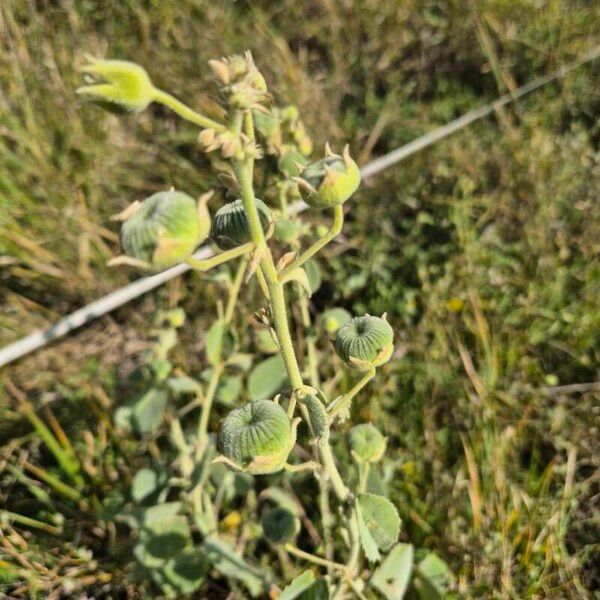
(367, 443)
(280, 525)
(329, 181)
(230, 225)
(256, 438)
(365, 342)
(164, 229)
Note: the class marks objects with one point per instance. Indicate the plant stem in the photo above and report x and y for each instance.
(219, 367)
(277, 300)
(317, 560)
(343, 402)
(219, 259)
(185, 112)
(243, 171)
(338, 222)
(11, 517)
(311, 350)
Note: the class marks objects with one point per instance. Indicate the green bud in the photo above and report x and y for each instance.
(256, 438)
(230, 224)
(164, 229)
(280, 525)
(118, 82)
(330, 181)
(367, 443)
(365, 342)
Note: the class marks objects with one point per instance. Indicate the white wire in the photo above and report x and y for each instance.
(119, 297)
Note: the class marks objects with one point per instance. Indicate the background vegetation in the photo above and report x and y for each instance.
(483, 250)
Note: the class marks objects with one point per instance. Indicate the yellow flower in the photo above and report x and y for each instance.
(455, 305)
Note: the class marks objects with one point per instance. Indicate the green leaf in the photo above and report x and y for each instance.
(317, 591)
(229, 389)
(228, 563)
(267, 378)
(220, 342)
(185, 571)
(145, 482)
(184, 384)
(148, 410)
(241, 361)
(265, 342)
(367, 542)
(381, 519)
(313, 271)
(434, 577)
(393, 575)
(297, 586)
(299, 275)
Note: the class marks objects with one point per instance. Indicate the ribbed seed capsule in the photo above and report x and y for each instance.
(280, 525)
(230, 224)
(164, 229)
(257, 437)
(366, 442)
(365, 342)
(329, 181)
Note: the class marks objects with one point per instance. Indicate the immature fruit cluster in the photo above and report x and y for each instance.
(366, 443)
(365, 342)
(119, 82)
(230, 224)
(330, 181)
(164, 229)
(257, 437)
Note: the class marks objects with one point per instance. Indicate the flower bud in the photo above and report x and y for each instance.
(230, 225)
(280, 525)
(165, 229)
(367, 443)
(365, 342)
(120, 83)
(330, 181)
(256, 438)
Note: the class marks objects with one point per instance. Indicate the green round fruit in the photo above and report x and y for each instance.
(331, 181)
(367, 442)
(257, 437)
(365, 342)
(230, 224)
(164, 230)
(280, 525)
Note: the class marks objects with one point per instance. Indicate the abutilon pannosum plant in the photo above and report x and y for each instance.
(261, 155)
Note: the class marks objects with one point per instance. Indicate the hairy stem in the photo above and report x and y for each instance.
(185, 112)
(317, 560)
(336, 228)
(219, 367)
(219, 259)
(341, 403)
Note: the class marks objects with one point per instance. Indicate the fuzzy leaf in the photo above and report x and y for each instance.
(144, 483)
(434, 577)
(313, 272)
(184, 384)
(230, 564)
(367, 542)
(393, 575)
(229, 389)
(381, 519)
(267, 378)
(148, 410)
(265, 342)
(220, 342)
(297, 586)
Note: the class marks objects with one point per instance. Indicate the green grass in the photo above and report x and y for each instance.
(483, 250)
